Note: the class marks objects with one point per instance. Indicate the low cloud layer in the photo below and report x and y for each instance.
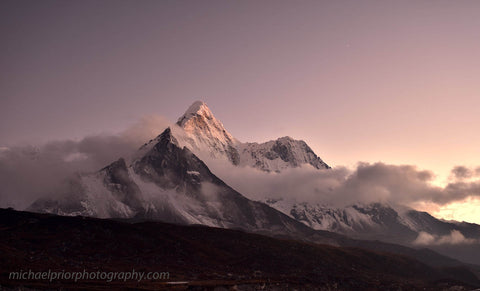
(30, 172)
(377, 182)
(454, 238)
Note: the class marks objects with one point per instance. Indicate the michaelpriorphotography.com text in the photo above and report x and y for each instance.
(62, 275)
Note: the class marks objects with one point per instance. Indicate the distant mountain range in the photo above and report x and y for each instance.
(169, 180)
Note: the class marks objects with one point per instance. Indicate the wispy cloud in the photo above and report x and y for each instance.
(455, 237)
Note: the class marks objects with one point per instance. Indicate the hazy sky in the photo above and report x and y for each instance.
(391, 81)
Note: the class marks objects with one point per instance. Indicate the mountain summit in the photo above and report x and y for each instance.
(205, 133)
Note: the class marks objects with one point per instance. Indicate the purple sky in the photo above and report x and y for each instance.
(392, 81)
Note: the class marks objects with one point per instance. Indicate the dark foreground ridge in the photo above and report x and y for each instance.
(200, 257)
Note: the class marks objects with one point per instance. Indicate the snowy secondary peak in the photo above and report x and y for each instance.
(167, 137)
(277, 155)
(166, 141)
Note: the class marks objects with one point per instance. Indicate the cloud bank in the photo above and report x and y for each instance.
(367, 183)
(30, 172)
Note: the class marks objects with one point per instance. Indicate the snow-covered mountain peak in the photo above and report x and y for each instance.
(205, 133)
(197, 108)
(199, 121)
